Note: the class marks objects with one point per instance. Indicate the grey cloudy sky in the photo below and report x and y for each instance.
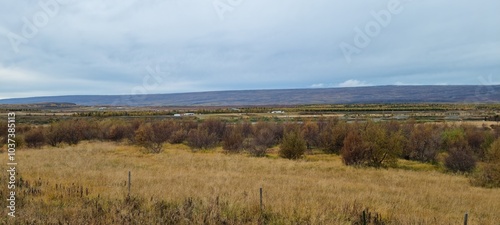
(69, 47)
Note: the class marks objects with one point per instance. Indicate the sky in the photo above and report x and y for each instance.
(70, 47)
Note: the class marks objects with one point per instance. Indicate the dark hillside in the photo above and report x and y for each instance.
(376, 94)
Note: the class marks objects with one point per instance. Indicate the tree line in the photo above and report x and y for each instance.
(375, 144)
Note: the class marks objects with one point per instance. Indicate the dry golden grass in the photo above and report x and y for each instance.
(319, 188)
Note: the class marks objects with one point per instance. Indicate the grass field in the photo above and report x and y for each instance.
(65, 182)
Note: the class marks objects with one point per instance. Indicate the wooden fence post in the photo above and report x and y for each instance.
(261, 205)
(129, 181)
(364, 217)
(466, 218)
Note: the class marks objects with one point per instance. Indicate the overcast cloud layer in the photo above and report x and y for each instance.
(71, 47)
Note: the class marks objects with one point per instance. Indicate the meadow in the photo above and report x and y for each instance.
(87, 184)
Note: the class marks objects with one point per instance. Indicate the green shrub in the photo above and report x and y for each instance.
(293, 145)
(493, 153)
(488, 176)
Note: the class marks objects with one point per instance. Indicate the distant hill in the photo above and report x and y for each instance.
(376, 94)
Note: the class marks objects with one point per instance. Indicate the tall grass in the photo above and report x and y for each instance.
(86, 183)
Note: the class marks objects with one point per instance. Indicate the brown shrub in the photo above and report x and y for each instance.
(35, 138)
(265, 137)
(249, 144)
(310, 132)
(118, 132)
(423, 143)
(478, 139)
(246, 129)
(331, 138)
(55, 135)
(353, 152)
(202, 139)
(178, 136)
(267, 134)
(373, 146)
(460, 160)
(152, 136)
(233, 139)
(3, 129)
(68, 131)
(214, 126)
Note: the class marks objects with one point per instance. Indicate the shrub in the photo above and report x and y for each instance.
(331, 138)
(35, 138)
(267, 133)
(310, 132)
(249, 144)
(214, 126)
(264, 137)
(453, 138)
(478, 139)
(189, 125)
(372, 146)
(246, 129)
(88, 129)
(353, 152)
(488, 176)
(496, 130)
(118, 132)
(423, 143)
(359, 216)
(152, 136)
(178, 136)
(233, 139)
(293, 145)
(55, 134)
(71, 130)
(19, 140)
(493, 153)
(460, 160)
(134, 126)
(3, 129)
(201, 139)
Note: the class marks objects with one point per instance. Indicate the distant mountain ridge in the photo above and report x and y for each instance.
(373, 94)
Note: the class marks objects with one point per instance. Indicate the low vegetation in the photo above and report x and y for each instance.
(198, 171)
(376, 144)
(178, 186)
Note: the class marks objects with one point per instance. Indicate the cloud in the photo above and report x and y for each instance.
(353, 83)
(400, 83)
(320, 85)
(96, 47)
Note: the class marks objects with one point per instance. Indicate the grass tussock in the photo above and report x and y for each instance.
(87, 184)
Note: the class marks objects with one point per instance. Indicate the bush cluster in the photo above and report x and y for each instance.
(489, 174)
(377, 144)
